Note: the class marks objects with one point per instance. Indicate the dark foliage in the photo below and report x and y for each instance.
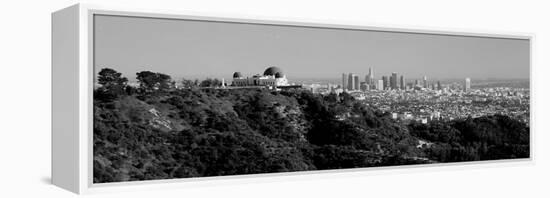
(112, 84)
(484, 138)
(152, 82)
(209, 82)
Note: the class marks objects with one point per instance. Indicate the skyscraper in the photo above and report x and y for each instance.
(344, 81)
(380, 85)
(356, 82)
(390, 81)
(367, 79)
(425, 81)
(438, 85)
(386, 83)
(371, 76)
(402, 83)
(393, 81)
(467, 84)
(350, 82)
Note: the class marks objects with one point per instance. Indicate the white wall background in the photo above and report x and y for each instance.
(25, 97)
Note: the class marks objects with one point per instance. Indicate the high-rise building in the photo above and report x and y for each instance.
(402, 83)
(344, 81)
(393, 81)
(438, 85)
(425, 81)
(416, 82)
(356, 82)
(367, 79)
(390, 81)
(371, 75)
(467, 84)
(350, 82)
(380, 85)
(386, 82)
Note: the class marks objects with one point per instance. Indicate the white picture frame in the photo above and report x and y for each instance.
(72, 88)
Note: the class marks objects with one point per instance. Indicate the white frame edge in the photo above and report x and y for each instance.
(72, 133)
(70, 101)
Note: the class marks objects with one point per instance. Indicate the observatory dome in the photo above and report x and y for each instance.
(272, 71)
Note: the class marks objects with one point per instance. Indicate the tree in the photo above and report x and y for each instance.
(332, 98)
(113, 84)
(209, 82)
(346, 98)
(109, 78)
(150, 81)
(187, 83)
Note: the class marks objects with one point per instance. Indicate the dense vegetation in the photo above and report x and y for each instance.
(157, 132)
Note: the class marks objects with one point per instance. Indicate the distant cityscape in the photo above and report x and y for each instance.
(425, 100)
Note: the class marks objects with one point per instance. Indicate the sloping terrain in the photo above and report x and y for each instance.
(209, 132)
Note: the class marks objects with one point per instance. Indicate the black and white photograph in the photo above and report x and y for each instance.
(178, 98)
(275, 98)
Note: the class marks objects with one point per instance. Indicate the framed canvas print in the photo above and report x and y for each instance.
(160, 98)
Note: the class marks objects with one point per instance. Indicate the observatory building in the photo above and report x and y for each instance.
(272, 77)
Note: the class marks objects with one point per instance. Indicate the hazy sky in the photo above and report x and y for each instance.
(199, 49)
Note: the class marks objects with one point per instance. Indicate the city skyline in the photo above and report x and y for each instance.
(199, 49)
(398, 81)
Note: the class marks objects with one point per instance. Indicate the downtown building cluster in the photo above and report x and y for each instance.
(351, 83)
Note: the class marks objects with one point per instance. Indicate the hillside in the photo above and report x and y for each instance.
(213, 132)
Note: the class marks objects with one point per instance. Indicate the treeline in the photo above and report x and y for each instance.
(155, 132)
(113, 84)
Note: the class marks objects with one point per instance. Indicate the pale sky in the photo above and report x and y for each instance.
(199, 49)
